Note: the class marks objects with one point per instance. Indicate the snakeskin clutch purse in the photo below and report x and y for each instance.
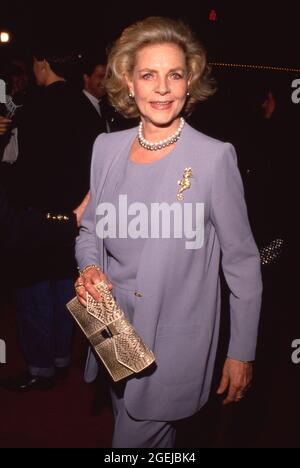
(113, 338)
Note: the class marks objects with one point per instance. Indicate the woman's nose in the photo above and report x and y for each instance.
(162, 86)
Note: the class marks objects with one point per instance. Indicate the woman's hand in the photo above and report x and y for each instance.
(237, 378)
(81, 208)
(87, 282)
(4, 125)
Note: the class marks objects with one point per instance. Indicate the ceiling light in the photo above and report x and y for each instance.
(4, 36)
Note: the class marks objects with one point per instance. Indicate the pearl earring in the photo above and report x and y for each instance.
(188, 94)
(131, 95)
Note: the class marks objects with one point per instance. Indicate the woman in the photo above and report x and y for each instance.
(165, 200)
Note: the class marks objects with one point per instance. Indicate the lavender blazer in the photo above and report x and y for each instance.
(178, 312)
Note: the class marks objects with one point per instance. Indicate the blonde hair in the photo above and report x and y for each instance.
(156, 30)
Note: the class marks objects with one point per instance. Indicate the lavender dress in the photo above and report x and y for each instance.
(139, 185)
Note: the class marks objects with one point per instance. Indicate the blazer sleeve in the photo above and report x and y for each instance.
(240, 256)
(29, 229)
(87, 252)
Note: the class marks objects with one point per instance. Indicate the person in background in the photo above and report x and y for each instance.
(164, 268)
(33, 228)
(4, 124)
(89, 103)
(100, 115)
(16, 76)
(52, 177)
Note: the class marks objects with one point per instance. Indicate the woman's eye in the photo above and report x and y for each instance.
(176, 76)
(147, 76)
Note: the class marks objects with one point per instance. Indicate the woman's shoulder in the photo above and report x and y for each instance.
(107, 146)
(207, 146)
(114, 139)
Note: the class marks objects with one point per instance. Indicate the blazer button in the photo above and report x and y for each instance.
(138, 294)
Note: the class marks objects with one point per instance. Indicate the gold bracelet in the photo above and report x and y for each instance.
(89, 267)
(243, 362)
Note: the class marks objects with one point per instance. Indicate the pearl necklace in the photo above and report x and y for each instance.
(163, 143)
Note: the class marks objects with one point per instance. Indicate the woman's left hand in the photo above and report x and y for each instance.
(236, 379)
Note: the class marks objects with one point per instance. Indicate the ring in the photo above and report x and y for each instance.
(79, 285)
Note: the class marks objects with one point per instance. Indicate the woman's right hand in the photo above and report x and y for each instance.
(4, 125)
(87, 282)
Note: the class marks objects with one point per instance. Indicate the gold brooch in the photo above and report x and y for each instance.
(184, 183)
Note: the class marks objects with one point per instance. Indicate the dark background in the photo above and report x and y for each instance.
(253, 33)
(245, 32)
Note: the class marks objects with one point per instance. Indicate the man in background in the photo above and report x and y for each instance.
(52, 176)
(95, 110)
(90, 111)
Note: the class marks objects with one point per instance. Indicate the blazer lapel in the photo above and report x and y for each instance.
(110, 178)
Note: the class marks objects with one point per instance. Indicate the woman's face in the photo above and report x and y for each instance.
(159, 83)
